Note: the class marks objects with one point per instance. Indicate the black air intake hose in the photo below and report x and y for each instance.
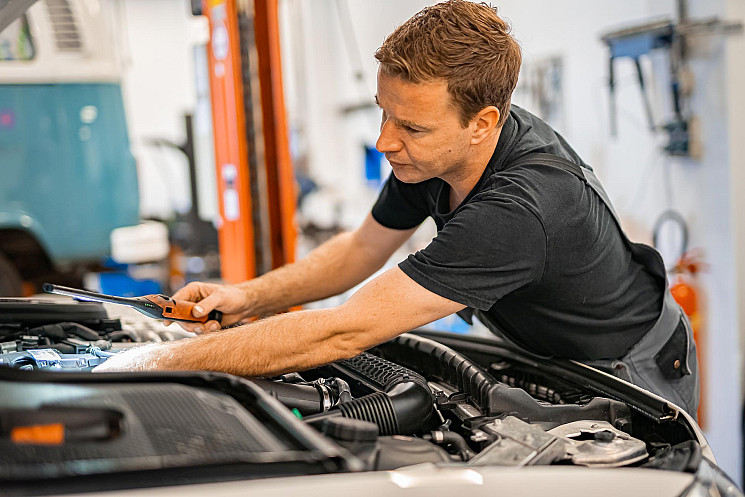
(493, 397)
(307, 399)
(402, 404)
(379, 373)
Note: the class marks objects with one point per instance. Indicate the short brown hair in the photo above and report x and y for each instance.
(465, 43)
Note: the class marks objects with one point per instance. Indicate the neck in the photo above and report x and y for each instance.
(468, 176)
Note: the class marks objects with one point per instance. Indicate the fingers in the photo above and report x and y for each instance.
(192, 327)
(207, 297)
(205, 306)
(193, 292)
(186, 293)
(211, 326)
(199, 328)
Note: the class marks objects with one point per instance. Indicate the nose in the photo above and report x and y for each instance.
(388, 140)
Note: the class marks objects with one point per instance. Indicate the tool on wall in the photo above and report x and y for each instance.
(674, 37)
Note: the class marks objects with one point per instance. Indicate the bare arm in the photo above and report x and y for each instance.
(332, 268)
(385, 307)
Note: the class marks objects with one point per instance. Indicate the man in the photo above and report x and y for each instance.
(526, 239)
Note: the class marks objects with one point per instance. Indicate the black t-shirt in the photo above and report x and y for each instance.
(535, 248)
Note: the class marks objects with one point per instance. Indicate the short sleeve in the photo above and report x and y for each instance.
(401, 205)
(493, 246)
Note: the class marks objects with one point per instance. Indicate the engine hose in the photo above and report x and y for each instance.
(343, 390)
(490, 396)
(402, 404)
(404, 409)
(440, 437)
(380, 373)
(307, 399)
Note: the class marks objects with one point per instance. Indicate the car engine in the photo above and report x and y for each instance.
(422, 397)
(415, 399)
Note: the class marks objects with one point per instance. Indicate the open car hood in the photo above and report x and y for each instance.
(425, 412)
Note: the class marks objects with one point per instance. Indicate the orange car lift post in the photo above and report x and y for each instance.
(237, 230)
(280, 178)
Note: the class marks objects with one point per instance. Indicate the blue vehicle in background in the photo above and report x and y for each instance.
(67, 174)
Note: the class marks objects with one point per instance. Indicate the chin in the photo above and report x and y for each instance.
(407, 174)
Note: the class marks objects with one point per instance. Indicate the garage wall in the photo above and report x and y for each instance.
(735, 54)
(736, 99)
(642, 181)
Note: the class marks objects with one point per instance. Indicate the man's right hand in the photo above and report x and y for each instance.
(231, 300)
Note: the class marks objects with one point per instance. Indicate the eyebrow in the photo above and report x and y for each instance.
(411, 124)
(405, 122)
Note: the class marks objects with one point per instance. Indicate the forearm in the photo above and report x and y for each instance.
(385, 307)
(272, 346)
(332, 268)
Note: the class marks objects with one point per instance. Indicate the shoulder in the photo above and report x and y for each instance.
(532, 188)
(527, 182)
(532, 134)
(498, 212)
(540, 170)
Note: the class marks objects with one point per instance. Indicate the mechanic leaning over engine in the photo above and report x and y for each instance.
(527, 240)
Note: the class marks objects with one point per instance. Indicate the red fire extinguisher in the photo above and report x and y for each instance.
(686, 291)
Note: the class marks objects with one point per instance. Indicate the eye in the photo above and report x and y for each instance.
(411, 130)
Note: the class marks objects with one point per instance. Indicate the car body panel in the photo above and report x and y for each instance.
(431, 481)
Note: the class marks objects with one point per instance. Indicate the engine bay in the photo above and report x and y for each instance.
(430, 403)
(419, 398)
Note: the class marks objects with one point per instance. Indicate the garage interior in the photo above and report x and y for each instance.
(145, 145)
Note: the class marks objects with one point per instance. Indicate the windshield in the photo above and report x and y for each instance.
(16, 42)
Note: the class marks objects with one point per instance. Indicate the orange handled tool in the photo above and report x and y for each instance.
(154, 306)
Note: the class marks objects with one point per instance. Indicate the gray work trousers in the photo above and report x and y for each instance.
(651, 362)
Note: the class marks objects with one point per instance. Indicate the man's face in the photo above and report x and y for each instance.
(420, 132)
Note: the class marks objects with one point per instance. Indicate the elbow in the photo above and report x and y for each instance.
(353, 335)
(357, 329)
(349, 344)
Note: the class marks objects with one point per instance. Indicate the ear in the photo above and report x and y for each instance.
(484, 123)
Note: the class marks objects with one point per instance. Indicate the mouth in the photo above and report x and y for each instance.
(393, 163)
